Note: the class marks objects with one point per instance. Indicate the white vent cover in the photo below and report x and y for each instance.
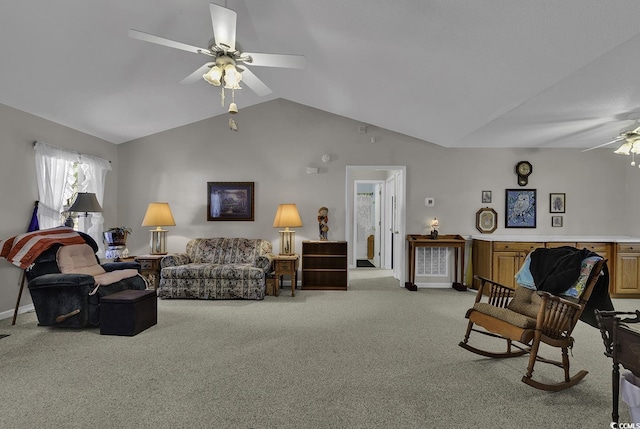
(432, 261)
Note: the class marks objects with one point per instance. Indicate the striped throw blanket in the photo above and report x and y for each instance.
(22, 250)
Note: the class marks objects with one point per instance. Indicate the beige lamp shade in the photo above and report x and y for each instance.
(287, 217)
(158, 214)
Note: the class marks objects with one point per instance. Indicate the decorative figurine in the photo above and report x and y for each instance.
(434, 228)
(323, 220)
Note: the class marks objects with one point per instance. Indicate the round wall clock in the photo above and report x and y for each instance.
(523, 170)
(486, 220)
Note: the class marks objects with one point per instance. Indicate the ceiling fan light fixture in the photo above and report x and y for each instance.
(213, 76)
(232, 77)
(625, 149)
(233, 108)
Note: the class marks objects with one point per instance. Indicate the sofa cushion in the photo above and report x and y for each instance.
(222, 250)
(525, 301)
(509, 316)
(211, 271)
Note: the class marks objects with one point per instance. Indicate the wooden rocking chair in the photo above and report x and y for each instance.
(530, 317)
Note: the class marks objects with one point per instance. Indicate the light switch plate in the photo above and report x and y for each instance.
(429, 202)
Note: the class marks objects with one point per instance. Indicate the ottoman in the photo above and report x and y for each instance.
(128, 312)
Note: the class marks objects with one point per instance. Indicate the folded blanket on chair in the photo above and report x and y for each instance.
(80, 259)
(22, 250)
(554, 269)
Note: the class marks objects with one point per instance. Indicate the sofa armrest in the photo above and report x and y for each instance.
(264, 262)
(114, 266)
(174, 260)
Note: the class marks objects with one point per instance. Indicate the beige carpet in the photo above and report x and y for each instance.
(375, 356)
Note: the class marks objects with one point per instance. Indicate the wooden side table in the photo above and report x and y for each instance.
(150, 268)
(285, 265)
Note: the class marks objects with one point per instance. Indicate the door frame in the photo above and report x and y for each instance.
(379, 172)
(379, 205)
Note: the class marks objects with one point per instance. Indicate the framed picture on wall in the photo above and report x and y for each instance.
(486, 197)
(556, 221)
(486, 220)
(230, 200)
(557, 203)
(520, 210)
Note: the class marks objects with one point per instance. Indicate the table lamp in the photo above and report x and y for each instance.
(158, 215)
(85, 202)
(287, 217)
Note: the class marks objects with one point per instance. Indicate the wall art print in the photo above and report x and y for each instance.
(557, 202)
(230, 200)
(520, 211)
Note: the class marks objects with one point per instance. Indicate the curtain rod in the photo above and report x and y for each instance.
(69, 150)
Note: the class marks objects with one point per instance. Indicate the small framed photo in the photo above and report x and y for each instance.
(520, 208)
(486, 197)
(230, 200)
(556, 221)
(557, 203)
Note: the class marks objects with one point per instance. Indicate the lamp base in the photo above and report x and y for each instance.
(158, 242)
(287, 242)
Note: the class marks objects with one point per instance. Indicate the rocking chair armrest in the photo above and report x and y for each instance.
(546, 296)
(498, 294)
(557, 316)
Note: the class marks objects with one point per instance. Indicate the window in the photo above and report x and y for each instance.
(60, 175)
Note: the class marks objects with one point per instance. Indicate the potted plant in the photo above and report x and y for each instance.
(116, 236)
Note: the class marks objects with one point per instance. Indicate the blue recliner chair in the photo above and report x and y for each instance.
(73, 299)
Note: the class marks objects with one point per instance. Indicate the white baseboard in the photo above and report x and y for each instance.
(24, 309)
(433, 285)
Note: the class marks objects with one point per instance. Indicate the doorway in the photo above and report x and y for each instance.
(368, 223)
(375, 218)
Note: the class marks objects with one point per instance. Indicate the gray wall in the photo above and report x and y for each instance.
(18, 186)
(279, 139)
(276, 142)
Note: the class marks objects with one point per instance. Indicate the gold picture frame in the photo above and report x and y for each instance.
(486, 220)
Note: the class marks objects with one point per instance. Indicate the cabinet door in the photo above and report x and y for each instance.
(627, 277)
(602, 249)
(505, 267)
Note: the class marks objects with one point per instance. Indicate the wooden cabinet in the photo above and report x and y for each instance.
(507, 259)
(324, 265)
(602, 249)
(626, 280)
(501, 260)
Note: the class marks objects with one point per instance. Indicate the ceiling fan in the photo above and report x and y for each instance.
(223, 69)
(629, 136)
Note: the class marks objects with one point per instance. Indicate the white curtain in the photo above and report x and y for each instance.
(52, 166)
(94, 173)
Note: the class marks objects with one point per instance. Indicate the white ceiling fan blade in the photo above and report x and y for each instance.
(224, 25)
(254, 83)
(197, 75)
(617, 139)
(165, 42)
(277, 60)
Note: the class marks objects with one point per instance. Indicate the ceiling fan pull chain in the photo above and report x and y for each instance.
(222, 96)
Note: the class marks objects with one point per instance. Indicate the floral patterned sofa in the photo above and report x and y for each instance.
(217, 268)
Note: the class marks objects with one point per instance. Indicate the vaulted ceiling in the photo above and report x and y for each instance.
(456, 73)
